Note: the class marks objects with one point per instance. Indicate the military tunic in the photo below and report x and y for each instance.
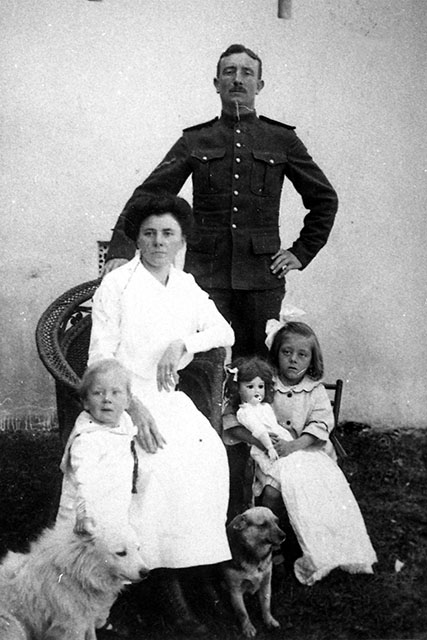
(238, 167)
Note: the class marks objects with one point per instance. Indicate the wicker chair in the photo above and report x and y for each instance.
(62, 338)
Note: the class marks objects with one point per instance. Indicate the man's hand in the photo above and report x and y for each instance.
(167, 371)
(284, 261)
(149, 437)
(113, 264)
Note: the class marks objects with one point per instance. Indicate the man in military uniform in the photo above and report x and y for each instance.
(238, 163)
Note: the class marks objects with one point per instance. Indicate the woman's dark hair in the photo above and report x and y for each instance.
(245, 370)
(142, 207)
(315, 370)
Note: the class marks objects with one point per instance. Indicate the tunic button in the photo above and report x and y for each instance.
(236, 175)
(237, 159)
(237, 130)
(235, 209)
(236, 193)
(238, 145)
(289, 394)
(234, 226)
(271, 161)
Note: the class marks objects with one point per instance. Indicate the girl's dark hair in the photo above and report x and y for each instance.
(142, 207)
(245, 370)
(315, 370)
(102, 366)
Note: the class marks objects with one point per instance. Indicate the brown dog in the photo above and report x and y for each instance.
(252, 535)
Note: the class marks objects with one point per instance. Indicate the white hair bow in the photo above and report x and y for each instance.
(287, 314)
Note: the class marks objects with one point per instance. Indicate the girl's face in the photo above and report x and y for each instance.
(107, 398)
(294, 358)
(252, 391)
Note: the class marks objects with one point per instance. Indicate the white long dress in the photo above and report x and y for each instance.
(98, 468)
(320, 504)
(180, 508)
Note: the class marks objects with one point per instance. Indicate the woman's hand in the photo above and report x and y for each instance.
(167, 371)
(149, 437)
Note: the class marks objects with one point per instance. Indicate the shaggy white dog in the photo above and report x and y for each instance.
(64, 587)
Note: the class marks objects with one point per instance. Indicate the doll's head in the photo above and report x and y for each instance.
(105, 391)
(249, 380)
(295, 352)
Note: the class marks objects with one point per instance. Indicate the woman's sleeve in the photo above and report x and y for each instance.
(105, 334)
(213, 330)
(320, 420)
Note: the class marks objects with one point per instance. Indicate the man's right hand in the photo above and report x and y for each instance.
(149, 437)
(113, 264)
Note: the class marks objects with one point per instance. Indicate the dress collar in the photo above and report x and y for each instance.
(306, 384)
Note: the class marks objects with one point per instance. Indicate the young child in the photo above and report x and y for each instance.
(99, 463)
(249, 390)
(306, 479)
(320, 504)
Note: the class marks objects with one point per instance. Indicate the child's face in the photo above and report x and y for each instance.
(252, 391)
(107, 398)
(294, 358)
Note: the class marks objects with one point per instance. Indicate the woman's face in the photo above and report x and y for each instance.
(294, 358)
(159, 240)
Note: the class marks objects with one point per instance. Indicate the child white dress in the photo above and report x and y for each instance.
(98, 467)
(320, 504)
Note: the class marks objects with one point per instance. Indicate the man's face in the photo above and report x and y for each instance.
(238, 82)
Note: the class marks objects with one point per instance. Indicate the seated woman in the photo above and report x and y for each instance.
(152, 318)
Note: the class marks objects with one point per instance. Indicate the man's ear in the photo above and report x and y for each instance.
(216, 82)
(260, 85)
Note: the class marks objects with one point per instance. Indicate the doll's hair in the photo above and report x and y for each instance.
(245, 370)
(315, 370)
(100, 367)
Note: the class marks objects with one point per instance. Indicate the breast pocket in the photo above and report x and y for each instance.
(207, 169)
(267, 172)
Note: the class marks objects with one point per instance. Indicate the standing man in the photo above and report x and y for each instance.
(238, 163)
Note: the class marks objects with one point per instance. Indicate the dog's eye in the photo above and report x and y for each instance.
(122, 554)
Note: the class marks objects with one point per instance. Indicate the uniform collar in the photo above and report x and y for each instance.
(245, 116)
(306, 384)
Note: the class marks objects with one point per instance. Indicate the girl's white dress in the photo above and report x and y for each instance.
(180, 508)
(320, 504)
(98, 469)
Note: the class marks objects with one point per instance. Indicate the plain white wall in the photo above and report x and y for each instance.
(93, 95)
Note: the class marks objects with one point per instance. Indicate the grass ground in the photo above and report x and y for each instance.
(387, 472)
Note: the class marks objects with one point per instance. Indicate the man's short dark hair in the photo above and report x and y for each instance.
(239, 48)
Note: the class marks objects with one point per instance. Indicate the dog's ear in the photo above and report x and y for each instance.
(239, 522)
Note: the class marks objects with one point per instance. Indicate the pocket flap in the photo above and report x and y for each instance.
(270, 157)
(205, 155)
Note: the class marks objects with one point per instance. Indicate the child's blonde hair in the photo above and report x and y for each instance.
(102, 366)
